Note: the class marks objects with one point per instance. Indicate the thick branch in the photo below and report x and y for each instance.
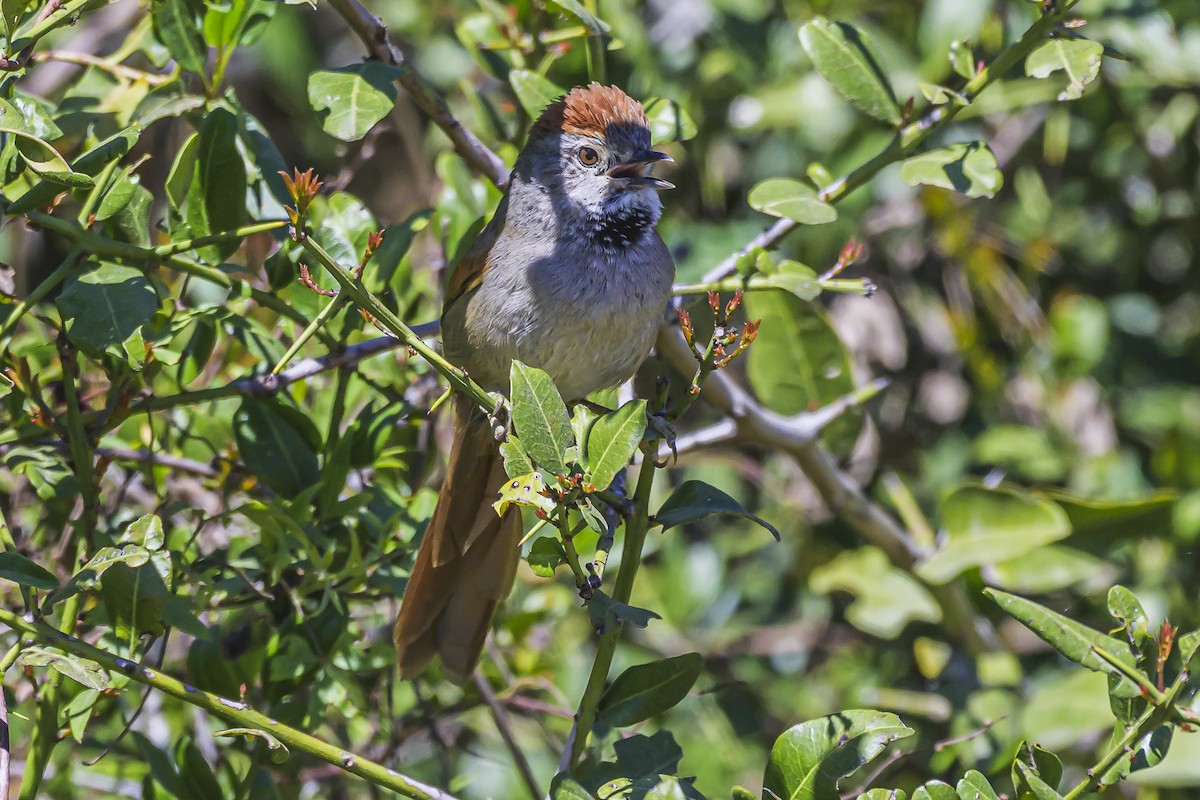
(798, 436)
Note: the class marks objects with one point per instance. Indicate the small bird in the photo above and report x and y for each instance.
(570, 276)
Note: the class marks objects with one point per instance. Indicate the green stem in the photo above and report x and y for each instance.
(43, 26)
(60, 274)
(45, 722)
(237, 714)
(567, 537)
(631, 560)
(859, 286)
(596, 66)
(358, 293)
(318, 322)
(1147, 688)
(1153, 717)
(82, 456)
(93, 198)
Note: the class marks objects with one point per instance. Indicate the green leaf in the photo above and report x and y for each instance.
(19, 569)
(799, 364)
(695, 500)
(1036, 773)
(534, 91)
(974, 786)
(105, 305)
(1072, 639)
(984, 526)
(966, 167)
(669, 122)
(842, 54)
(119, 194)
(546, 555)
(647, 690)
(810, 759)
(784, 197)
(79, 711)
(88, 577)
(353, 98)
(564, 787)
(177, 25)
(40, 156)
(1094, 521)
(516, 460)
(935, 790)
(574, 8)
(1049, 569)
(962, 59)
(540, 417)
(940, 95)
(1079, 59)
(275, 447)
(77, 668)
(886, 598)
(23, 113)
(884, 794)
(90, 164)
(1127, 610)
(612, 441)
(796, 278)
(606, 614)
(216, 198)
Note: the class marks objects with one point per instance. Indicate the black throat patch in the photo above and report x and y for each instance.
(620, 229)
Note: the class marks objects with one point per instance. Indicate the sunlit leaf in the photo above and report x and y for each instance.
(540, 417)
(784, 197)
(966, 167)
(1079, 59)
(809, 760)
(353, 98)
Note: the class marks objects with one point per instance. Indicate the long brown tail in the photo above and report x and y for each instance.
(467, 560)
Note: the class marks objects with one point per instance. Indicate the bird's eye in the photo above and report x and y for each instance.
(588, 156)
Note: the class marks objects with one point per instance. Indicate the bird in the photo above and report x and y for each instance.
(570, 276)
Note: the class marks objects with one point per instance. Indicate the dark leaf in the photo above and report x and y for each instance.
(694, 500)
(648, 690)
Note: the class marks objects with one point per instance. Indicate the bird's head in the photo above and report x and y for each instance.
(590, 150)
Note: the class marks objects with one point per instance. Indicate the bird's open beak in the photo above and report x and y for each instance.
(635, 173)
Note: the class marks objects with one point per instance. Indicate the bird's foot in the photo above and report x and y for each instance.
(665, 429)
(500, 420)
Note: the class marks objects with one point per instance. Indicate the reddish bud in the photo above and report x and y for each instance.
(714, 302)
(732, 305)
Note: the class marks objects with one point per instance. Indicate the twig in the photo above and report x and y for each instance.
(374, 34)
(236, 713)
(5, 751)
(910, 137)
(504, 726)
(717, 433)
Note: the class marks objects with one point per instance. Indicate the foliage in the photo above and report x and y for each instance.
(214, 467)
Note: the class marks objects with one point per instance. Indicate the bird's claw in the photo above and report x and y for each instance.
(499, 420)
(666, 432)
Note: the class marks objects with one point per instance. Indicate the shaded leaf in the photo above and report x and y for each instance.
(984, 526)
(784, 197)
(669, 122)
(216, 198)
(974, 786)
(19, 569)
(935, 790)
(177, 25)
(799, 364)
(274, 448)
(966, 167)
(647, 690)
(810, 759)
(353, 98)
(106, 305)
(546, 555)
(886, 598)
(694, 500)
(540, 417)
(77, 668)
(576, 9)
(842, 54)
(606, 614)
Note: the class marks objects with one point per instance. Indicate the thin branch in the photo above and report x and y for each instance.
(236, 713)
(504, 726)
(374, 34)
(910, 137)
